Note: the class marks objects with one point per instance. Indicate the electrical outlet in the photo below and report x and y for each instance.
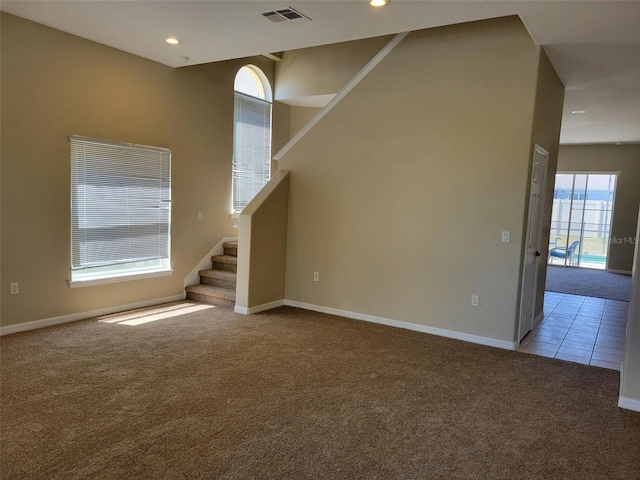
(199, 214)
(474, 300)
(15, 288)
(316, 276)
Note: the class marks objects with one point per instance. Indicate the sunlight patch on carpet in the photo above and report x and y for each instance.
(148, 315)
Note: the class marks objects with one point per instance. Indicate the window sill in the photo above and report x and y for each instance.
(124, 277)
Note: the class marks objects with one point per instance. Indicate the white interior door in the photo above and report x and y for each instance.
(533, 236)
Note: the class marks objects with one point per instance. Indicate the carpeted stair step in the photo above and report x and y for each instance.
(230, 248)
(218, 278)
(211, 295)
(227, 263)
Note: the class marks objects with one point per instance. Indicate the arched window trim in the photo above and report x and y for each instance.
(260, 80)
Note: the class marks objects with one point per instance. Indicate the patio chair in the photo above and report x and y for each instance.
(568, 254)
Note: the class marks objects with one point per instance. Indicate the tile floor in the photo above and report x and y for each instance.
(580, 329)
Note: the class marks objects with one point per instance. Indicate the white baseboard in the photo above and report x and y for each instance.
(623, 272)
(259, 308)
(629, 404)
(205, 264)
(491, 342)
(624, 402)
(48, 322)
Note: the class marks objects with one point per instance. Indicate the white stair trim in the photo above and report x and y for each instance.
(47, 322)
(342, 93)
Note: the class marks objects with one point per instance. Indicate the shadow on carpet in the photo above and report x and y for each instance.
(588, 282)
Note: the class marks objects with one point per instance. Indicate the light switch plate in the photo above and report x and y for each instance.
(506, 236)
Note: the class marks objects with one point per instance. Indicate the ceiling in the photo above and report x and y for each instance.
(594, 45)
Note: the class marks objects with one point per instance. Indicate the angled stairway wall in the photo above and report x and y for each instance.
(400, 192)
(263, 223)
(307, 76)
(262, 245)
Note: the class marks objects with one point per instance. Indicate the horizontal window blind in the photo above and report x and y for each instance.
(251, 148)
(120, 203)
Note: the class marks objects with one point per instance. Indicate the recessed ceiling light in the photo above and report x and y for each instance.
(172, 41)
(378, 3)
(578, 112)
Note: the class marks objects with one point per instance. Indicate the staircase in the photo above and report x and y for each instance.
(218, 285)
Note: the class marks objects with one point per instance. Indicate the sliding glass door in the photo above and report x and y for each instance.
(581, 219)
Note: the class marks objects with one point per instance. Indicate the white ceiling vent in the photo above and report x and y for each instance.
(288, 15)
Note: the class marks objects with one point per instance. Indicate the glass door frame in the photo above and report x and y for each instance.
(609, 214)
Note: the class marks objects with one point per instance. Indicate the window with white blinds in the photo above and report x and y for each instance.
(120, 209)
(251, 136)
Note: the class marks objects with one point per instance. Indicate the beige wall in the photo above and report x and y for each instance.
(55, 84)
(400, 193)
(624, 159)
(281, 131)
(546, 133)
(299, 117)
(323, 70)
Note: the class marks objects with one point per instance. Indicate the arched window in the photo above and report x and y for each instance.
(251, 135)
